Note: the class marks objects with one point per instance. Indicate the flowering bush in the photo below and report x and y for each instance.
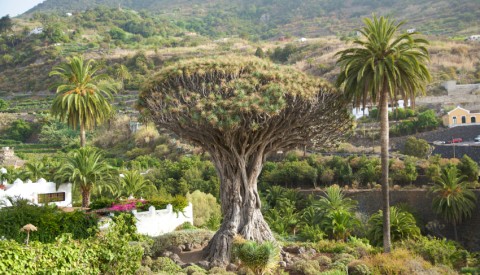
(127, 205)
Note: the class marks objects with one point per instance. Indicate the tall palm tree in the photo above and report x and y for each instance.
(452, 199)
(132, 183)
(83, 97)
(382, 65)
(85, 169)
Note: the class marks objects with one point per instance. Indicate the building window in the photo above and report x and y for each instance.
(454, 120)
(51, 197)
(473, 119)
(464, 120)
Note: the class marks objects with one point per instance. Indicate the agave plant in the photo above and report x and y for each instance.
(259, 258)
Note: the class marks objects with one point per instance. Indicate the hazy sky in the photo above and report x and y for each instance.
(16, 7)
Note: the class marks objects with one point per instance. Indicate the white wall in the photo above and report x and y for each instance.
(157, 222)
(30, 190)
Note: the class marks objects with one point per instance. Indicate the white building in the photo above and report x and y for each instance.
(38, 193)
(359, 112)
(37, 30)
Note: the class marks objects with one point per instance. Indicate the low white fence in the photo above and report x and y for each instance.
(157, 222)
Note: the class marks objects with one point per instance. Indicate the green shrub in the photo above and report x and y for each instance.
(220, 271)
(324, 260)
(176, 238)
(50, 221)
(164, 264)
(307, 267)
(470, 270)
(194, 270)
(205, 207)
(311, 233)
(358, 268)
(101, 203)
(402, 226)
(259, 258)
(108, 253)
(437, 251)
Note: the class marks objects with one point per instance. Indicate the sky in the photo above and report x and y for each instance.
(16, 7)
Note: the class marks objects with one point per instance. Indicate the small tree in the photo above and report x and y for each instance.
(452, 199)
(417, 147)
(469, 168)
(85, 169)
(240, 110)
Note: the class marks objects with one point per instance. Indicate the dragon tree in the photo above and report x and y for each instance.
(240, 110)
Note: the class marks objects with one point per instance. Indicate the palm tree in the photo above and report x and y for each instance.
(123, 74)
(452, 198)
(382, 65)
(35, 170)
(132, 183)
(83, 95)
(85, 169)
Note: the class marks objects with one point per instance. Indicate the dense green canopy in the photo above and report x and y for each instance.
(246, 99)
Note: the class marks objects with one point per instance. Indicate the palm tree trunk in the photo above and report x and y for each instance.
(83, 139)
(85, 198)
(384, 140)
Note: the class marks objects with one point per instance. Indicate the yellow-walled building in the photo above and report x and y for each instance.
(460, 117)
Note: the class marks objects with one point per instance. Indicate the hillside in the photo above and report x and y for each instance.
(267, 18)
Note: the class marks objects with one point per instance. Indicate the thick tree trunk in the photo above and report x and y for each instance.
(384, 139)
(85, 198)
(241, 208)
(83, 139)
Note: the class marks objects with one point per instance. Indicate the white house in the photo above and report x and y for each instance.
(411, 30)
(359, 112)
(474, 37)
(37, 30)
(38, 193)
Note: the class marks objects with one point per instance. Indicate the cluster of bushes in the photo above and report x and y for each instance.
(331, 216)
(50, 221)
(113, 252)
(360, 171)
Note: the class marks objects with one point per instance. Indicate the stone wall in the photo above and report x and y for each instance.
(420, 201)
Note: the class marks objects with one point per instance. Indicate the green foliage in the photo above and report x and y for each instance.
(468, 168)
(6, 24)
(308, 267)
(85, 168)
(334, 200)
(402, 226)
(291, 173)
(406, 175)
(178, 203)
(342, 169)
(437, 251)
(109, 253)
(417, 147)
(176, 238)
(259, 258)
(427, 121)
(19, 130)
(281, 54)
(205, 208)
(186, 175)
(131, 183)
(311, 233)
(50, 221)
(452, 199)
(358, 268)
(283, 218)
(164, 264)
(101, 203)
(83, 96)
(3, 104)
